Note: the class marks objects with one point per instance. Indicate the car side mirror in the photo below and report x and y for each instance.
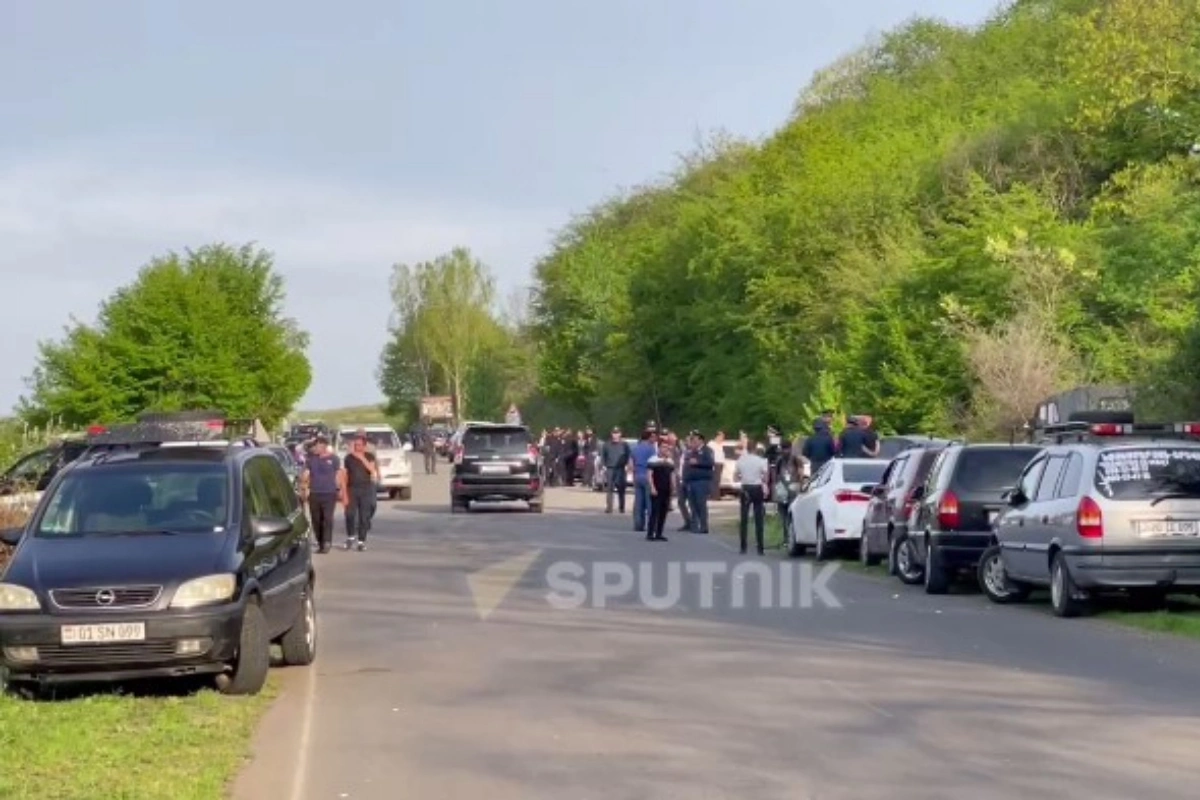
(918, 493)
(1016, 497)
(11, 536)
(270, 527)
(875, 490)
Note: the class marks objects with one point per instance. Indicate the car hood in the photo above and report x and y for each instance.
(86, 561)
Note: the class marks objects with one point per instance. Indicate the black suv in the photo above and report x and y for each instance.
(496, 462)
(167, 549)
(956, 508)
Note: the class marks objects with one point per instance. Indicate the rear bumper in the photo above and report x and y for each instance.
(1135, 568)
(218, 630)
(960, 549)
(396, 481)
(496, 489)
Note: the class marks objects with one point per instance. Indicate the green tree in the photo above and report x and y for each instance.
(202, 329)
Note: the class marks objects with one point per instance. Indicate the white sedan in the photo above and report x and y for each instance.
(830, 514)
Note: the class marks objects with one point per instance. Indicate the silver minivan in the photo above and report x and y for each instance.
(1103, 508)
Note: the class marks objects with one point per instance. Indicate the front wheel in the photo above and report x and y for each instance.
(907, 569)
(994, 580)
(249, 673)
(405, 493)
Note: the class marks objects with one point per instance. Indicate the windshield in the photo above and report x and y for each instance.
(1142, 473)
(497, 438)
(992, 470)
(139, 497)
(863, 473)
(379, 440)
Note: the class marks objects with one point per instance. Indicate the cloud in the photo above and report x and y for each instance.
(78, 225)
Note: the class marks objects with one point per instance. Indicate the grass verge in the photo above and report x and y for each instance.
(126, 748)
(1180, 617)
(727, 527)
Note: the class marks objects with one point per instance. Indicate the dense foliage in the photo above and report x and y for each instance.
(200, 330)
(953, 223)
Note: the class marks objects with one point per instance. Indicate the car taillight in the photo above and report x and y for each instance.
(909, 502)
(947, 512)
(1089, 521)
(458, 454)
(1190, 428)
(534, 453)
(847, 496)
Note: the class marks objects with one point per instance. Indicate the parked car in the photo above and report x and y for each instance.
(830, 513)
(22, 484)
(391, 456)
(1104, 508)
(893, 500)
(729, 486)
(156, 555)
(951, 523)
(496, 462)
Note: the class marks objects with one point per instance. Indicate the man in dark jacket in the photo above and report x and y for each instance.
(820, 448)
(697, 476)
(614, 455)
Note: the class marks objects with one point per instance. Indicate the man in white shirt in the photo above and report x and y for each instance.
(752, 472)
(717, 446)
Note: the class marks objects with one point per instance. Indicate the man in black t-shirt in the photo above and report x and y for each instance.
(361, 487)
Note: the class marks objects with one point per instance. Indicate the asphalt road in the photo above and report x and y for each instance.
(419, 692)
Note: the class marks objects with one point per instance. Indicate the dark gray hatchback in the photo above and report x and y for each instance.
(152, 556)
(496, 462)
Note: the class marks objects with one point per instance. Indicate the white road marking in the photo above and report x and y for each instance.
(300, 776)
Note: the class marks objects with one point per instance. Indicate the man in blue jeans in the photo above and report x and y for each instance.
(643, 451)
(698, 466)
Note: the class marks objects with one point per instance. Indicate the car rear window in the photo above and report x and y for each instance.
(991, 469)
(141, 497)
(864, 473)
(499, 439)
(1144, 472)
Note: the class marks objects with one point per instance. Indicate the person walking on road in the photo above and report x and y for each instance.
(615, 455)
(322, 484)
(751, 472)
(697, 475)
(428, 449)
(661, 468)
(643, 451)
(360, 492)
(677, 452)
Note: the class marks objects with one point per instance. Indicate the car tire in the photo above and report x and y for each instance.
(1063, 591)
(937, 577)
(822, 551)
(299, 644)
(253, 661)
(994, 581)
(908, 570)
(455, 506)
(865, 556)
(405, 493)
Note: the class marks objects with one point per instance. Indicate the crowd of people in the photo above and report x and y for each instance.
(665, 471)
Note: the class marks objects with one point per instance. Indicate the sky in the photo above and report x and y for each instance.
(347, 137)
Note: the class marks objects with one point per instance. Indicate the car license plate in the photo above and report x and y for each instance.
(1169, 528)
(104, 633)
(494, 469)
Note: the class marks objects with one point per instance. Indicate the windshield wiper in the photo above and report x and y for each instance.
(1194, 494)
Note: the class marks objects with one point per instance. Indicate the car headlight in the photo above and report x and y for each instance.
(18, 598)
(205, 591)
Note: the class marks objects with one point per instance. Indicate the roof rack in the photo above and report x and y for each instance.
(1081, 431)
(193, 428)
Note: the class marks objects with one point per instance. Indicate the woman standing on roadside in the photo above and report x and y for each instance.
(662, 468)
